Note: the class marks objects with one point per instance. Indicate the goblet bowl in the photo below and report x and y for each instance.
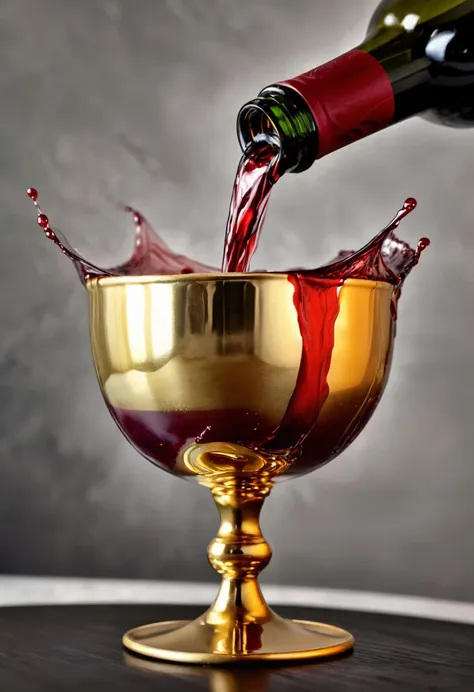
(212, 377)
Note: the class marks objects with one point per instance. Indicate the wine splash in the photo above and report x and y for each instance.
(85, 269)
(386, 258)
(151, 255)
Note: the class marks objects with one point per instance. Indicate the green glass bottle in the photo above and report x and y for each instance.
(417, 58)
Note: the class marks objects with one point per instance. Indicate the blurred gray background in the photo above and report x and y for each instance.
(112, 100)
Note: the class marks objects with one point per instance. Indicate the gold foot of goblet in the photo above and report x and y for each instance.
(239, 624)
(202, 643)
(199, 372)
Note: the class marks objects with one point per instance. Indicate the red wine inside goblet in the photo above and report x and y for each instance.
(310, 431)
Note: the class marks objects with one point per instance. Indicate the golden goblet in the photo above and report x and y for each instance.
(198, 371)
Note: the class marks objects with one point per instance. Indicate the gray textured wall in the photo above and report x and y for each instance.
(110, 99)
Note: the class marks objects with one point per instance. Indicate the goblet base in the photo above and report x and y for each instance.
(203, 643)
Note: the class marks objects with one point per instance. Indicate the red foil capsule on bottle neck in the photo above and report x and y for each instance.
(350, 97)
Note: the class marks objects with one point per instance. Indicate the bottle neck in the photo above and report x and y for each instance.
(322, 110)
(418, 58)
(280, 115)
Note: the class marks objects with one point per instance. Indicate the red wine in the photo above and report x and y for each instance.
(151, 255)
(85, 269)
(385, 258)
(317, 305)
(256, 175)
(161, 436)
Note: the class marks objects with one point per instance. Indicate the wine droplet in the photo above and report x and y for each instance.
(85, 269)
(423, 243)
(43, 221)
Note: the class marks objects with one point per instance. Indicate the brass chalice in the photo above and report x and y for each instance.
(198, 371)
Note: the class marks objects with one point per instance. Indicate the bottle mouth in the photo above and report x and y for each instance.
(278, 116)
(255, 122)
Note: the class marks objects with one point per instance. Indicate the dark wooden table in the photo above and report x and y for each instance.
(77, 648)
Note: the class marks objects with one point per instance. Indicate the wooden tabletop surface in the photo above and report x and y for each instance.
(72, 648)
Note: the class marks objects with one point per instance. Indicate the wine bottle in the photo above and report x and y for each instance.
(417, 58)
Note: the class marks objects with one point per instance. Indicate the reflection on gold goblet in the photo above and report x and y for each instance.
(198, 371)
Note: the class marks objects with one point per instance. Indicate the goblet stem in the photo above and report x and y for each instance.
(239, 552)
(239, 625)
